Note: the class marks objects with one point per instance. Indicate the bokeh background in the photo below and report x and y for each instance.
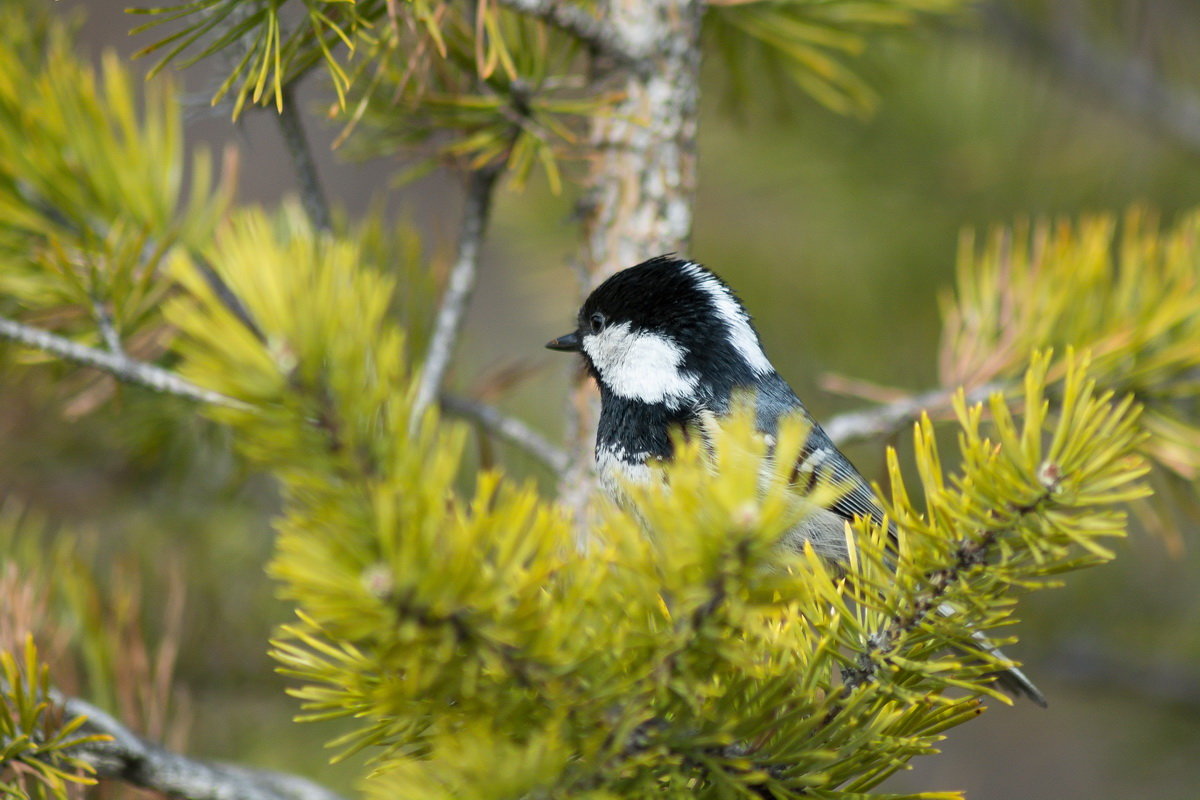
(815, 219)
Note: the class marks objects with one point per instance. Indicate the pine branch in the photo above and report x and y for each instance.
(480, 184)
(1129, 84)
(313, 197)
(132, 759)
(117, 364)
(598, 35)
(506, 428)
(970, 553)
(884, 420)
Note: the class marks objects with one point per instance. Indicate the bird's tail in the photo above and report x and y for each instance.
(1012, 680)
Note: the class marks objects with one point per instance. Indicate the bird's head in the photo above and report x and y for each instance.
(668, 332)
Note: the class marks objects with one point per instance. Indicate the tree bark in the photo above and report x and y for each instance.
(643, 178)
(642, 182)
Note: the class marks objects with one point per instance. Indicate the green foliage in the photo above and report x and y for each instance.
(89, 225)
(483, 655)
(1029, 501)
(393, 247)
(808, 41)
(474, 648)
(507, 95)
(506, 87)
(267, 53)
(35, 744)
(102, 638)
(269, 48)
(87, 221)
(1129, 294)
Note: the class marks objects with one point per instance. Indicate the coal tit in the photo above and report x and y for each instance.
(669, 344)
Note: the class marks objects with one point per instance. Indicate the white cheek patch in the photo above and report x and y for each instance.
(641, 366)
(741, 335)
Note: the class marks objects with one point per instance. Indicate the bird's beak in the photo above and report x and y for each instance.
(568, 343)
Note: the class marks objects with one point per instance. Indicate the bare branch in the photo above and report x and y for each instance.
(117, 364)
(461, 283)
(885, 420)
(311, 194)
(1129, 84)
(132, 759)
(130, 370)
(108, 331)
(601, 37)
(509, 429)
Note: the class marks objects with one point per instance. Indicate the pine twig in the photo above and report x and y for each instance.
(506, 428)
(856, 426)
(132, 759)
(461, 283)
(119, 365)
(108, 331)
(580, 23)
(970, 553)
(311, 194)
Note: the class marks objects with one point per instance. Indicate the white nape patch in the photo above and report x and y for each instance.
(641, 366)
(741, 335)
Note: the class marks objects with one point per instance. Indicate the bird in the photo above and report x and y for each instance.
(671, 346)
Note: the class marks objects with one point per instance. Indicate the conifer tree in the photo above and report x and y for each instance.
(449, 614)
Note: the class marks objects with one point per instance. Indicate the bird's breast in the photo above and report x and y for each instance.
(618, 467)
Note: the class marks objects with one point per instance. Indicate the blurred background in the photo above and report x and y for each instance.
(1028, 110)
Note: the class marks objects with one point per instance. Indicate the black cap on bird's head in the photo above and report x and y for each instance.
(666, 330)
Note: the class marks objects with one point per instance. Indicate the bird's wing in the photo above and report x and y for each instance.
(821, 463)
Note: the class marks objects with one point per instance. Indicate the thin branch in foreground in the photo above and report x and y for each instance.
(461, 283)
(132, 759)
(311, 195)
(581, 23)
(130, 370)
(508, 429)
(856, 426)
(139, 373)
(108, 331)
(119, 365)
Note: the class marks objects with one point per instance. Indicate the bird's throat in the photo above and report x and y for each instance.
(633, 432)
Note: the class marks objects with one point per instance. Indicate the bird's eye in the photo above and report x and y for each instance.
(597, 322)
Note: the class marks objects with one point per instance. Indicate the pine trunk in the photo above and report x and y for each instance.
(643, 178)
